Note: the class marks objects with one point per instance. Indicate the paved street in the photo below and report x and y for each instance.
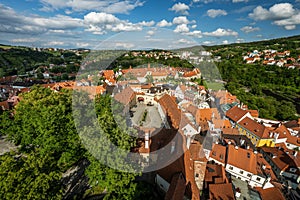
(153, 119)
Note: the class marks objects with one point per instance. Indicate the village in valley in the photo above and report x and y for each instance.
(224, 150)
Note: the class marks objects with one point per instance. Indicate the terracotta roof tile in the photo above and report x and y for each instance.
(242, 158)
(221, 191)
(218, 153)
(254, 127)
(215, 174)
(236, 113)
(177, 188)
(206, 114)
(270, 194)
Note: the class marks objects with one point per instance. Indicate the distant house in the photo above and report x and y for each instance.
(284, 163)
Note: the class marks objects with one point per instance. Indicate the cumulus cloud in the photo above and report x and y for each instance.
(282, 14)
(163, 23)
(181, 20)
(195, 33)
(220, 32)
(180, 8)
(100, 18)
(225, 42)
(13, 22)
(116, 6)
(248, 29)
(182, 28)
(215, 13)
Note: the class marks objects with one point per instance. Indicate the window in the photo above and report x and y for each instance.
(221, 157)
(258, 179)
(231, 168)
(241, 172)
(248, 155)
(249, 175)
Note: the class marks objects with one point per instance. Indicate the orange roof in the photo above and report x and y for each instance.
(221, 123)
(170, 106)
(254, 127)
(253, 113)
(221, 191)
(4, 105)
(92, 90)
(281, 159)
(225, 97)
(215, 174)
(218, 153)
(242, 158)
(270, 194)
(191, 73)
(235, 113)
(206, 114)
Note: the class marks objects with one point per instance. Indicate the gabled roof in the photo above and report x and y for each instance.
(125, 96)
(242, 158)
(218, 153)
(281, 159)
(270, 194)
(254, 127)
(206, 114)
(221, 191)
(171, 109)
(177, 187)
(236, 113)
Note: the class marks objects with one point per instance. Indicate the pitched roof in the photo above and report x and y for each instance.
(270, 194)
(254, 127)
(218, 153)
(281, 159)
(236, 113)
(170, 106)
(253, 113)
(215, 174)
(177, 187)
(242, 158)
(206, 114)
(221, 123)
(125, 96)
(221, 191)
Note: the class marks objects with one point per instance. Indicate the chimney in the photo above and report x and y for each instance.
(236, 147)
(263, 166)
(255, 152)
(188, 141)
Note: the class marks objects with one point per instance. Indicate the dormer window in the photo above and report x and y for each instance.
(293, 170)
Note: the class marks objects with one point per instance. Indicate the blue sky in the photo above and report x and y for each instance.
(144, 23)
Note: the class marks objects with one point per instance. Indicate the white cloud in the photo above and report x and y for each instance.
(225, 42)
(221, 33)
(115, 6)
(144, 23)
(180, 8)
(195, 33)
(282, 14)
(24, 40)
(238, 1)
(208, 42)
(163, 23)
(180, 20)
(276, 12)
(215, 13)
(150, 33)
(124, 45)
(100, 18)
(194, 26)
(182, 28)
(55, 43)
(248, 29)
(240, 40)
(290, 23)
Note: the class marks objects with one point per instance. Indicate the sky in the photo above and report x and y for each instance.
(133, 24)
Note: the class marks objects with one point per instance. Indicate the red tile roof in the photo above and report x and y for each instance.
(206, 114)
(270, 194)
(171, 109)
(215, 174)
(254, 127)
(218, 153)
(242, 158)
(221, 191)
(177, 188)
(236, 113)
